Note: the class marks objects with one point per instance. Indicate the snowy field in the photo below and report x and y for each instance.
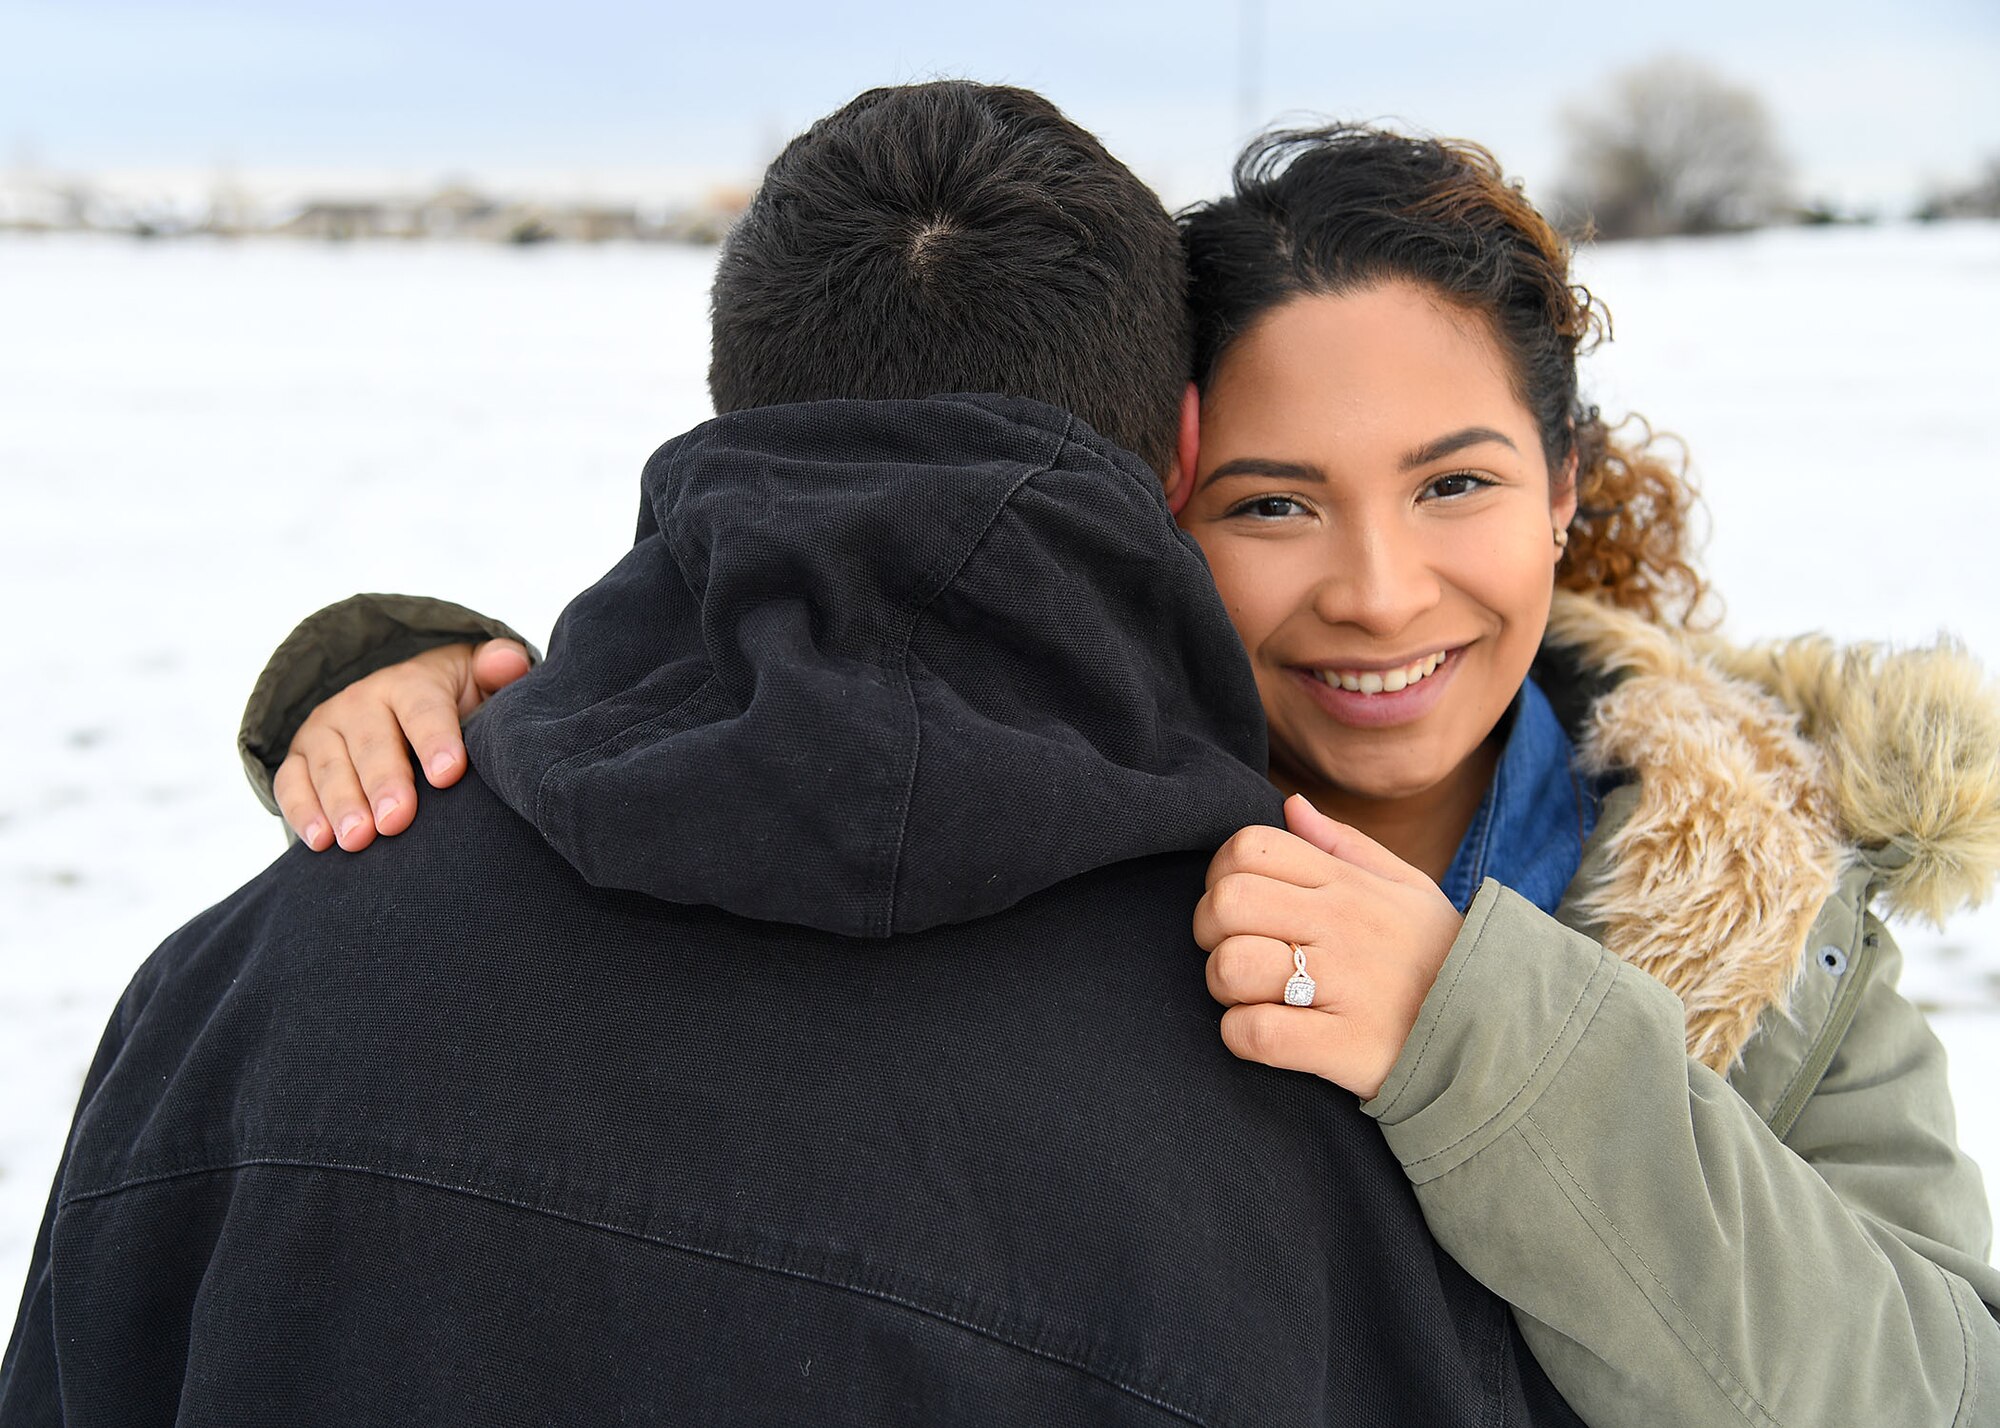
(199, 444)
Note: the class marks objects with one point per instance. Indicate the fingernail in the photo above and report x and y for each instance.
(348, 825)
(442, 764)
(314, 831)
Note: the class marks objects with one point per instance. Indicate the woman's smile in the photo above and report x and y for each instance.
(1377, 696)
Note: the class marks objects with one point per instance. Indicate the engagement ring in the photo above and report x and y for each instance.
(1299, 990)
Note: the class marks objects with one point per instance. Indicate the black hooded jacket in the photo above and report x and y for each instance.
(793, 1020)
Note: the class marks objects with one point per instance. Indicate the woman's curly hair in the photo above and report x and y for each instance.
(1338, 209)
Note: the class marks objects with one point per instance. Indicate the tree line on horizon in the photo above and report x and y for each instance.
(1667, 148)
(1671, 148)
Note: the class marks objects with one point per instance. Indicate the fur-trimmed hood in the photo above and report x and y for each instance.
(1761, 774)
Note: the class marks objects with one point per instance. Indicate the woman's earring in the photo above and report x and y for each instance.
(1562, 537)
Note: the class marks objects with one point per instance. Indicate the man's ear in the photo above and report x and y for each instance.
(1181, 485)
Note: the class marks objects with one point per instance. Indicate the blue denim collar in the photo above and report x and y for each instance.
(1530, 828)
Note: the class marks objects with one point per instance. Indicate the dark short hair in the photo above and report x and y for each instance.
(956, 237)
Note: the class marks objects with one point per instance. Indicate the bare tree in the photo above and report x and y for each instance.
(1672, 147)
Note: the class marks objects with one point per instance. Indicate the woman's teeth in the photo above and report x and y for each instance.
(1382, 681)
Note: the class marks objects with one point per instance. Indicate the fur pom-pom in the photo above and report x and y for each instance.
(1912, 740)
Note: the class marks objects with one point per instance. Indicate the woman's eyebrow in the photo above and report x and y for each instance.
(1301, 471)
(1448, 445)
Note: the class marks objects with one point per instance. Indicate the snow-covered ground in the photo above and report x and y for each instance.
(201, 443)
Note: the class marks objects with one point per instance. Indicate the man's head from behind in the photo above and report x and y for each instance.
(956, 237)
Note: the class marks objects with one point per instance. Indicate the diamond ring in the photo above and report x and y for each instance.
(1299, 990)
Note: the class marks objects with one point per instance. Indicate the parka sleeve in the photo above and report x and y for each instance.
(1669, 1258)
(332, 648)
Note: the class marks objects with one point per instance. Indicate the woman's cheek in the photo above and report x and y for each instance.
(1255, 615)
(1239, 594)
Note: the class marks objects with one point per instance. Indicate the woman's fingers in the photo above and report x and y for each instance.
(1240, 903)
(1392, 924)
(1272, 853)
(495, 665)
(1310, 851)
(419, 703)
(1350, 845)
(293, 789)
(381, 764)
(422, 712)
(1291, 1039)
(348, 769)
(1250, 968)
(335, 784)
(433, 693)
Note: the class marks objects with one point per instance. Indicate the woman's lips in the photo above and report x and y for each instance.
(1384, 710)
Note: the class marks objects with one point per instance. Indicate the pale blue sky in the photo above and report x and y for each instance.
(1872, 106)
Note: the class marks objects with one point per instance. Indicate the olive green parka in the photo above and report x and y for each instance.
(1687, 1127)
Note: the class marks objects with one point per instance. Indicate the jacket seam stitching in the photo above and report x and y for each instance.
(1570, 1176)
(887, 923)
(1969, 1381)
(742, 1261)
(634, 731)
(1784, 1108)
(1444, 1007)
(1529, 1080)
(1833, 1029)
(667, 541)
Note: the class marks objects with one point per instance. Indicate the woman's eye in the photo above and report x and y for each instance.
(1270, 508)
(1457, 483)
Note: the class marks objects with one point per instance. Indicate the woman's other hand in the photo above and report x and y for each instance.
(347, 774)
(1373, 929)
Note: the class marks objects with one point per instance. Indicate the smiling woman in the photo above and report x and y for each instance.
(1565, 960)
(1593, 932)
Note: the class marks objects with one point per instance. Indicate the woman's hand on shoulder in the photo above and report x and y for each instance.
(347, 774)
(1372, 929)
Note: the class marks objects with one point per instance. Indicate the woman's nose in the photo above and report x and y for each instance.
(1378, 579)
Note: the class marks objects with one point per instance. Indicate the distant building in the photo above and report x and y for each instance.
(36, 203)
(456, 211)
(452, 212)
(708, 221)
(344, 219)
(596, 223)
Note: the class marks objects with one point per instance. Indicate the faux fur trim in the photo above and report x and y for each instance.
(1761, 772)
(1912, 742)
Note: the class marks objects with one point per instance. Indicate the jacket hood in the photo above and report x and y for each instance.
(1759, 775)
(873, 667)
